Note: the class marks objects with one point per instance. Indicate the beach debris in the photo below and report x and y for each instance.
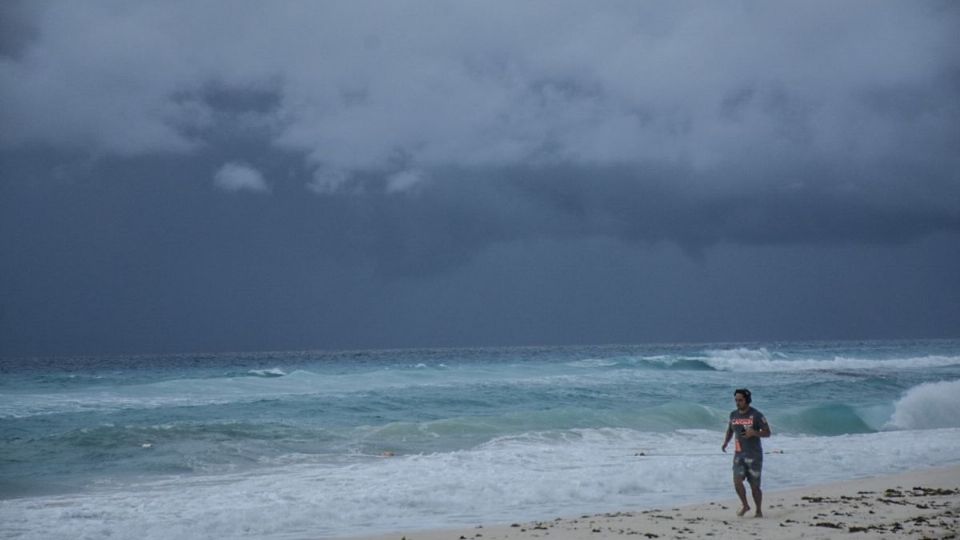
(934, 492)
(828, 524)
(614, 515)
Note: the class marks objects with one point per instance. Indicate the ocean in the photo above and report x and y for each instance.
(290, 445)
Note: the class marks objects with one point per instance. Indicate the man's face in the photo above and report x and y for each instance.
(741, 401)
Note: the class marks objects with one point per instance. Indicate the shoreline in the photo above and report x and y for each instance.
(922, 503)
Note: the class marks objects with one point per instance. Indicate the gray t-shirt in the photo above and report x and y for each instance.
(747, 446)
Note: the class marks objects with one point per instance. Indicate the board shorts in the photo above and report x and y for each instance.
(747, 467)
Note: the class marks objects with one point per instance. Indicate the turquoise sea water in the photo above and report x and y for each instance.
(316, 444)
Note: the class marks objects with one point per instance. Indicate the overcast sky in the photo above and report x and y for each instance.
(223, 176)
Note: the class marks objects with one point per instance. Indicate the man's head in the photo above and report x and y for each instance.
(742, 397)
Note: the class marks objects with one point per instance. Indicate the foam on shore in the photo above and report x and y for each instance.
(922, 503)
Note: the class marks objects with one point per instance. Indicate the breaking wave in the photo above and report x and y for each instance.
(274, 372)
(762, 360)
(826, 420)
(928, 406)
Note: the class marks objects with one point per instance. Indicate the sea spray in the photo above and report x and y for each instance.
(929, 405)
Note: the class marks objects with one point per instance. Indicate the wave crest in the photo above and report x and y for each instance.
(762, 360)
(829, 419)
(928, 406)
(273, 372)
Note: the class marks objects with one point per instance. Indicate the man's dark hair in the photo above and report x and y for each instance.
(745, 393)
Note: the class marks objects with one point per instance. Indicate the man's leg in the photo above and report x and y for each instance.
(757, 495)
(754, 470)
(739, 473)
(742, 493)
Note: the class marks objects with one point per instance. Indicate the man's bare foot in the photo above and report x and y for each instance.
(759, 514)
(743, 511)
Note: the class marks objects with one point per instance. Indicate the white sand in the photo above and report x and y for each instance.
(918, 504)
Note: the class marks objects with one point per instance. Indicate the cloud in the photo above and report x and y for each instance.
(404, 181)
(327, 181)
(691, 122)
(611, 83)
(16, 28)
(239, 177)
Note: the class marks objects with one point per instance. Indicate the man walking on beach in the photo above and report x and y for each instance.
(749, 425)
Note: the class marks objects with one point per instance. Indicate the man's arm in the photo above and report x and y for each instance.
(726, 439)
(763, 432)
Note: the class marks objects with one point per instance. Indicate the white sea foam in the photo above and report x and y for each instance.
(743, 353)
(593, 363)
(658, 357)
(761, 360)
(274, 372)
(530, 476)
(929, 405)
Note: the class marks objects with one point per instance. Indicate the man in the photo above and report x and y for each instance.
(749, 425)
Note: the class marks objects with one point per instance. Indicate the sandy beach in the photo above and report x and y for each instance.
(917, 504)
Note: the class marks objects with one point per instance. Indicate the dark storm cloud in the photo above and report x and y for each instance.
(344, 163)
(17, 28)
(750, 122)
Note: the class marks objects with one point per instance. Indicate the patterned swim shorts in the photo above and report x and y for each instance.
(747, 467)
